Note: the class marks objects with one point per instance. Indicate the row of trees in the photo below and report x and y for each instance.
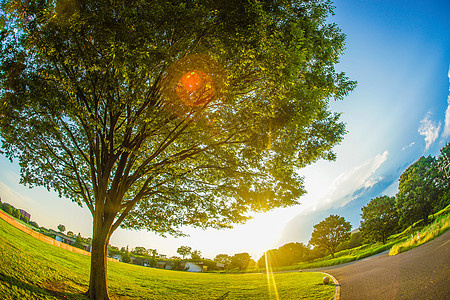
(423, 190)
(15, 212)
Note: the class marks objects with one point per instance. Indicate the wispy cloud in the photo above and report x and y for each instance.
(409, 146)
(347, 186)
(446, 132)
(13, 197)
(430, 130)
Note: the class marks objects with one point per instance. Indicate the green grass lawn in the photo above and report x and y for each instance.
(31, 269)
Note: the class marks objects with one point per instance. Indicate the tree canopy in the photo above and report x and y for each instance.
(285, 255)
(61, 227)
(96, 104)
(184, 251)
(240, 260)
(330, 232)
(223, 258)
(379, 218)
(421, 187)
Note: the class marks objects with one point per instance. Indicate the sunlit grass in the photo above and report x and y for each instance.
(31, 269)
(441, 225)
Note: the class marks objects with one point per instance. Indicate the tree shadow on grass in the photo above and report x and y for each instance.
(36, 291)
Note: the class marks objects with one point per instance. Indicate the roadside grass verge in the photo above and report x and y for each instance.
(438, 227)
(31, 269)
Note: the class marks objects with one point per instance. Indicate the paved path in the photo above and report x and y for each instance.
(421, 273)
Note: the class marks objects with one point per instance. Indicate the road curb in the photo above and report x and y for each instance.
(337, 294)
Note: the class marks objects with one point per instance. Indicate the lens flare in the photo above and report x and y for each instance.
(195, 88)
(191, 81)
(270, 278)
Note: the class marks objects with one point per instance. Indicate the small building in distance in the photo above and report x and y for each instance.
(61, 237)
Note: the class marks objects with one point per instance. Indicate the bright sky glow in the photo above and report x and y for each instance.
(399, 52)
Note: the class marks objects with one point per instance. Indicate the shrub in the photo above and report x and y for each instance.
(34, 224)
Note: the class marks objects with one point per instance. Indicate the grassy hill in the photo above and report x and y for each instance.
(31, 269)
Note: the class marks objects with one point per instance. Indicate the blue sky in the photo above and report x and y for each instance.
(399, 52)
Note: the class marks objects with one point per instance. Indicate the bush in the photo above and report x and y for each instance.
(126, 258)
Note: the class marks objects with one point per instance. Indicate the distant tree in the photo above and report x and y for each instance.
(223, 258)
(240, 260)
(78, 242)
(23, 218)
(379, 219)
(184, 251)
(16, 213)
(140, 251)
(126, 257)
(329, 233)
(285, 255)
(291, 253)
(70, 233)
(443, 162)
(268, 259)
(61, 227)
(196, 254)
(7, 208)
(34, 224)
(154, 252)
(420, 187)
(153, 262)
(356, 239)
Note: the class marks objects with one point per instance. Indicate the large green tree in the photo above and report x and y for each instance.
(330, 232)
(161, 114)
(443, 162)
(379, 218)
(421, 186)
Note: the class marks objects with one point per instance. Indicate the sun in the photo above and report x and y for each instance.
(191, 81)
(195, 88)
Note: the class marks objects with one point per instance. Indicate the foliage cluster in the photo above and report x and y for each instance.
(330, 232)
(285, 255)
(379, 219)
(424, 188)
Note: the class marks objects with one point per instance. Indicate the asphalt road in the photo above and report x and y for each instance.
(421, 273)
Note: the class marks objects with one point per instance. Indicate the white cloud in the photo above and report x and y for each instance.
(345, 187)
(446, 132)
(409, 146)
(430, 130)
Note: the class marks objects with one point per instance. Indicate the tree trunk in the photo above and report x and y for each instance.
(98, 288)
